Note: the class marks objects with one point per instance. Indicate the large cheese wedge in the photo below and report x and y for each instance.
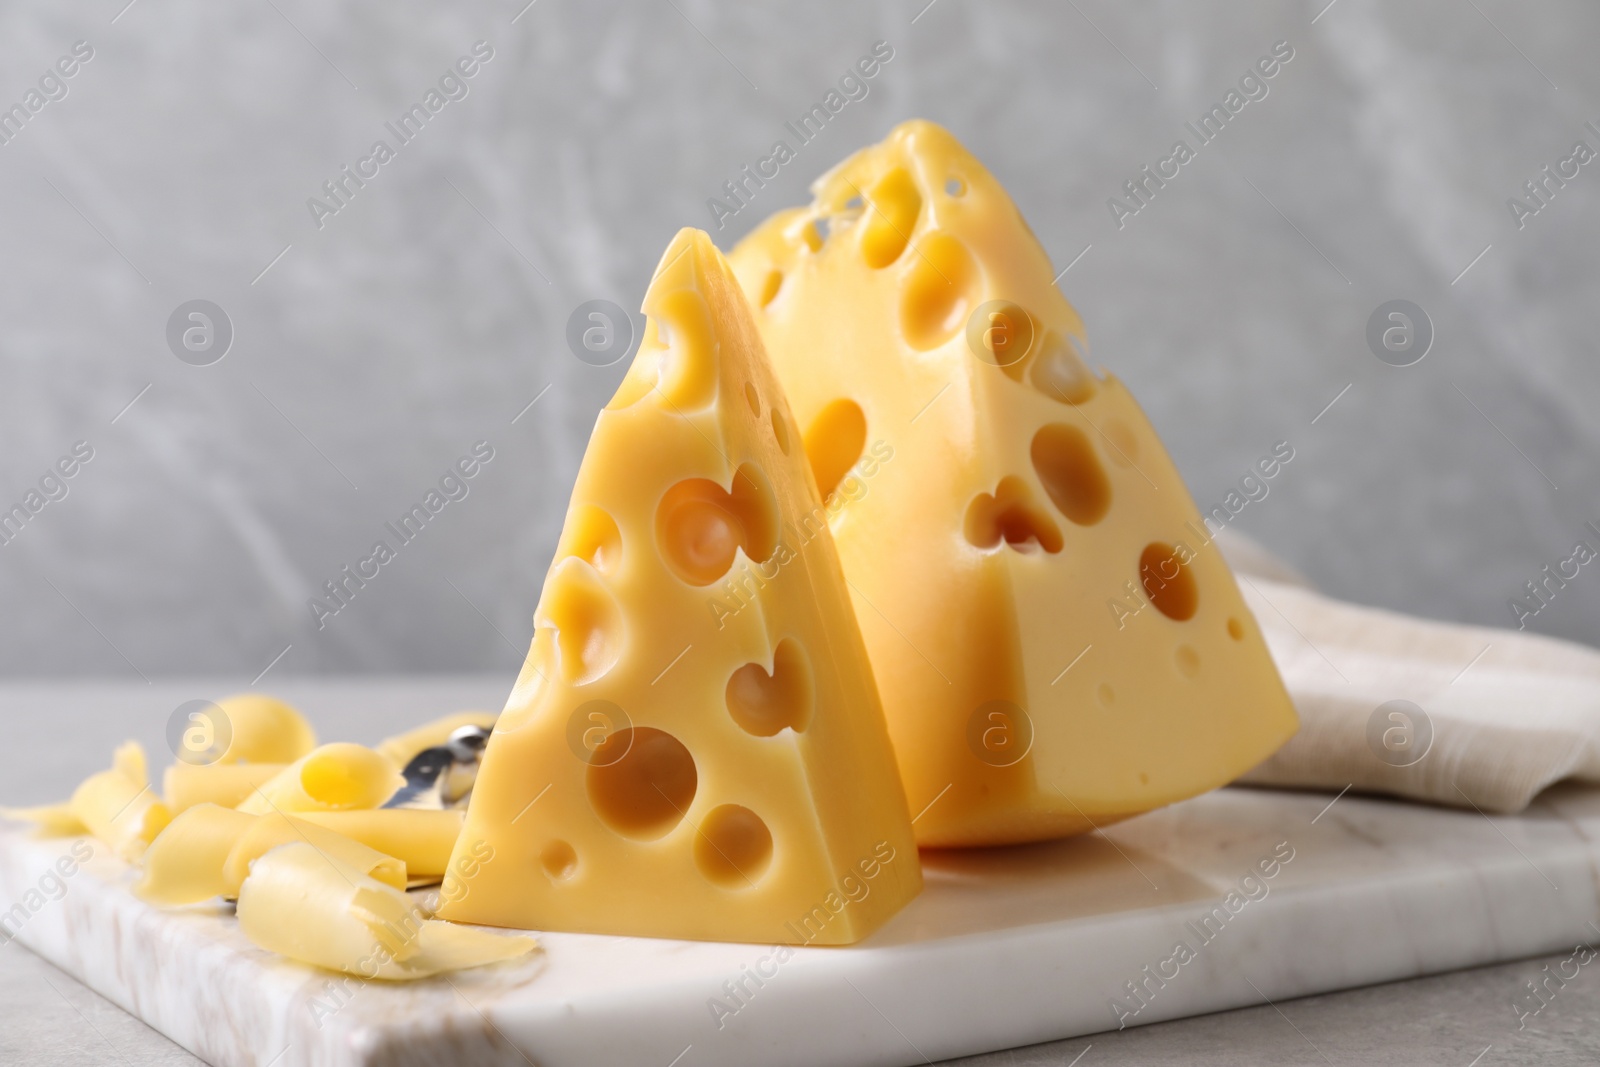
(1057, 641)
(671, 763)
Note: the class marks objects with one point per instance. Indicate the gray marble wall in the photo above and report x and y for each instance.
(372, 347)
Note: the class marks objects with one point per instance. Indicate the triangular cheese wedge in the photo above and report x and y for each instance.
(1057, 641)
(677, 760)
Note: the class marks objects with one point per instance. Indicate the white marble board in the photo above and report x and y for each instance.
(1005, 947)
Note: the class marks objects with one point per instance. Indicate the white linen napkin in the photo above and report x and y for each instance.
(1461, 715)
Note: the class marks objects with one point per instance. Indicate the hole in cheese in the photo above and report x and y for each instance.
(559, 860)
(938, 293)
(698, 531)
(892, 215)
(699, 526)
(757, 508)
(594, 537)
(834, 443)
(640, 380)
(1010, 514)
(676, 357)
(1067, 466)
(770, 286)
(752, 399)
(811, 236)
(587, 622)
(1002, 333)
(686, 372)
(954, 186)
(763, 703)
(1236, 629)
(780, 431)
(645, 793)
(1168, 582)
(733, 847)
(1059, 371)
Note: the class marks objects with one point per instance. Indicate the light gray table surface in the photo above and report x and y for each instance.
(61, 732)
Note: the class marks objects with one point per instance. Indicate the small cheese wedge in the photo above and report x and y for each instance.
(318, 909)
(1058, 642)
(663, 768)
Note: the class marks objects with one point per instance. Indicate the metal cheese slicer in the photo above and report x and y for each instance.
(442, 777)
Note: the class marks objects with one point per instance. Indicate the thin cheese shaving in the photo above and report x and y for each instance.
(267, 832)
(423, 839)
(309, 907)
(336, 777)
(228, 784)
(183, 865)
(118, 806)
(264, 729)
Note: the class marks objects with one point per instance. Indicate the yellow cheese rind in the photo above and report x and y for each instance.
(672, 763)
(400, 748)
(118, 807)
(999, 518)
(267, 832)
(340, 776)
(422, 839)
(184, 864)
(183, 785)
(264, 729)
(302, 904)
